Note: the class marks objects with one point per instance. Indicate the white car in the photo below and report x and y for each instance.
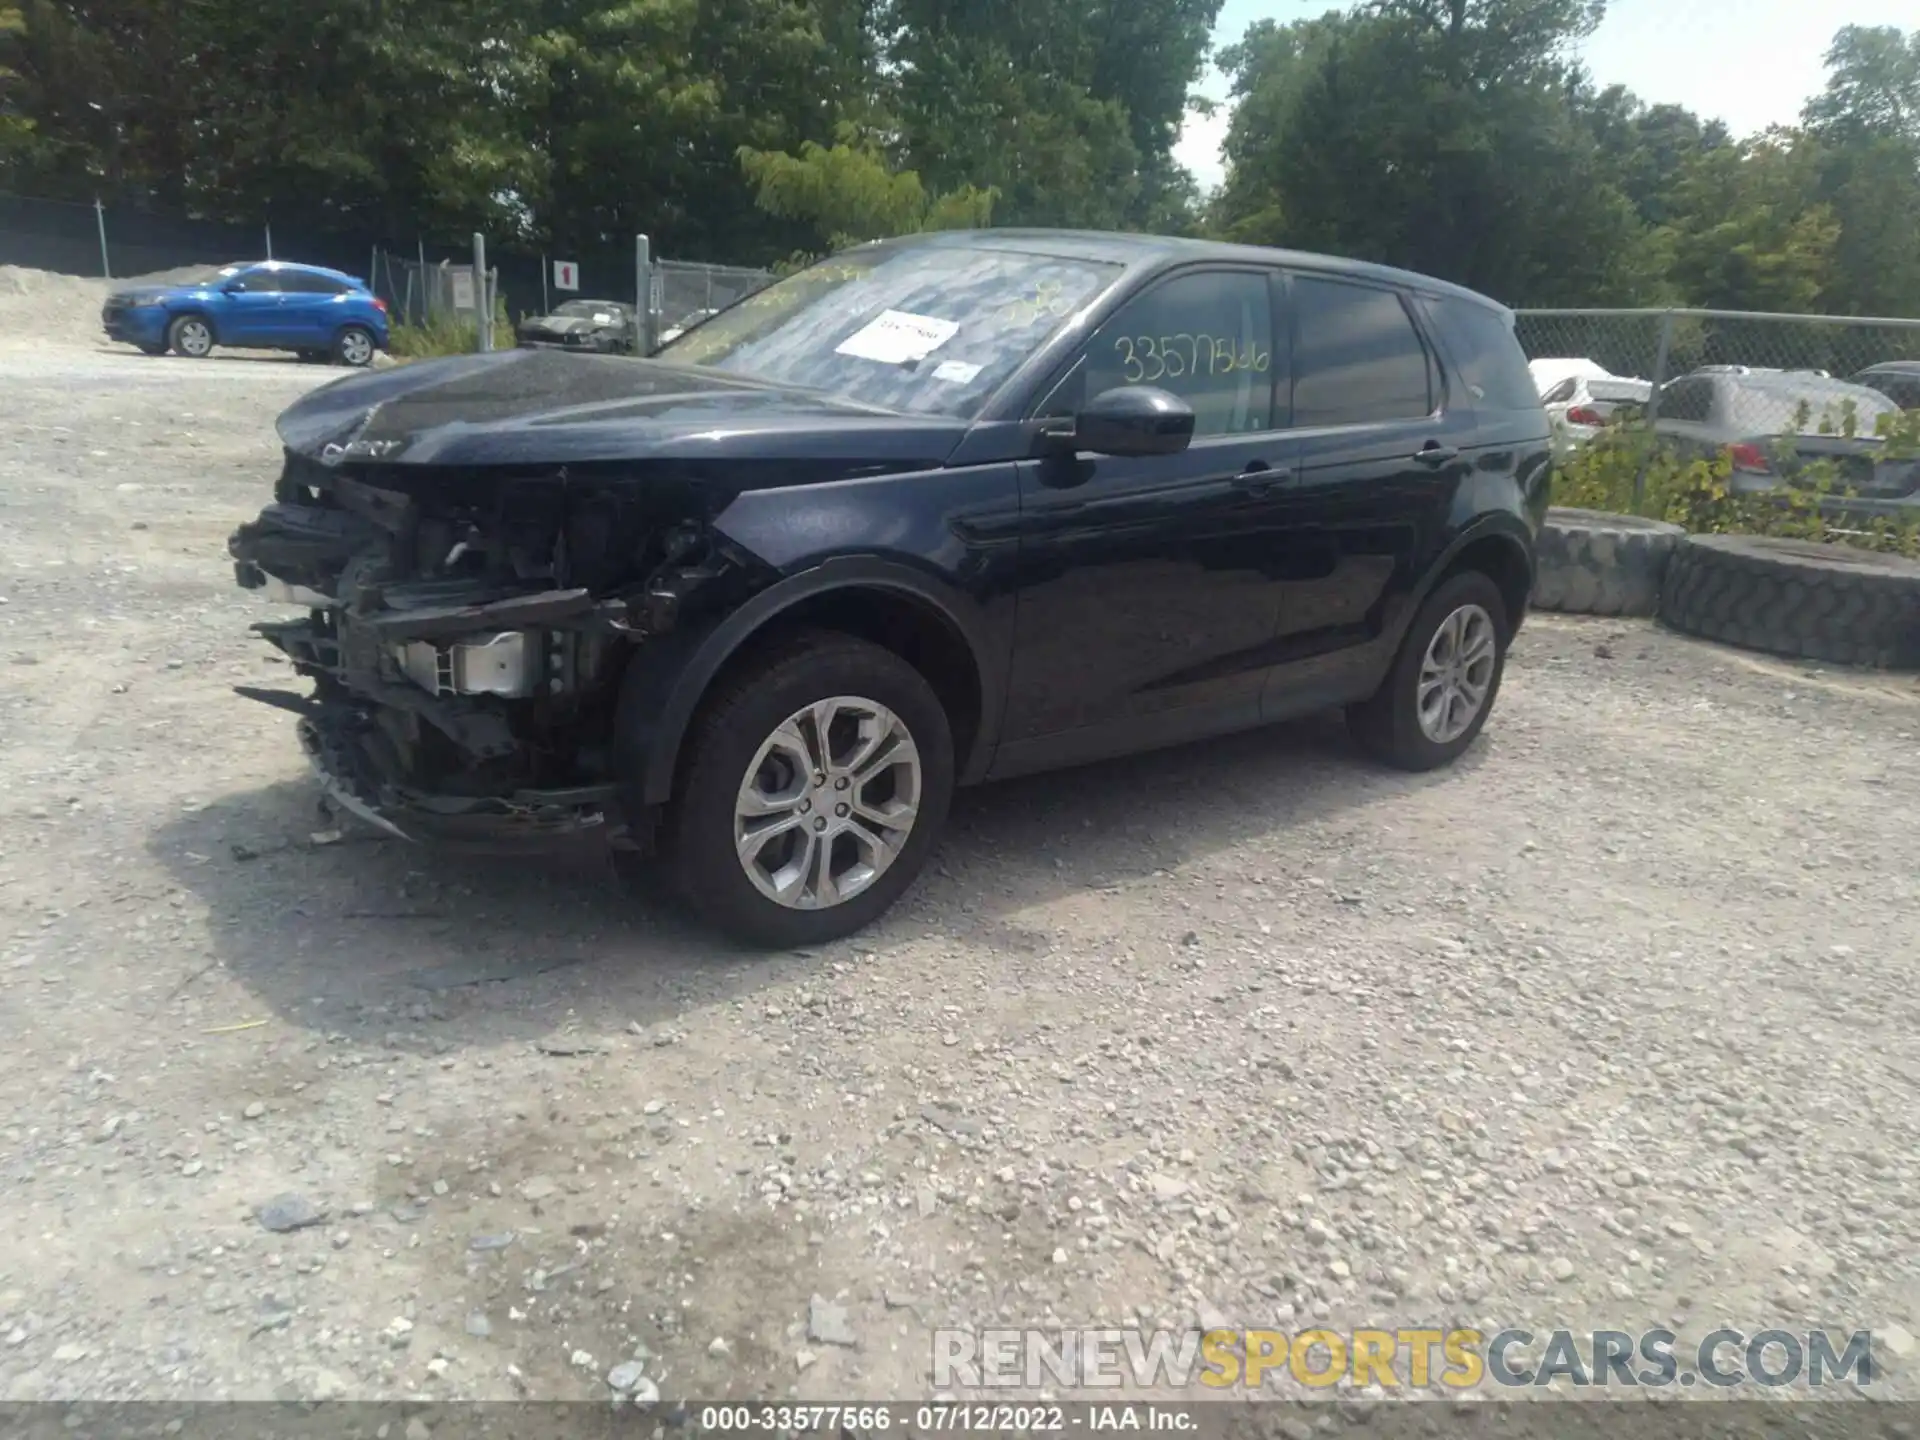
(1579, 406)
(1548, 373)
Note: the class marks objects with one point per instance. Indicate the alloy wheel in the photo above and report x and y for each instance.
(1456, 674)
(827, 802)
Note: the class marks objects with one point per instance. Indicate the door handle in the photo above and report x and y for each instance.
(1435, 454)
(1259, 477)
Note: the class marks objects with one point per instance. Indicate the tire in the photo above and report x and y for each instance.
(312, 357)
(1388, 725)
(191, 336)
(1798, 598)
(1587, 562)
(739, 720)
(354, 347)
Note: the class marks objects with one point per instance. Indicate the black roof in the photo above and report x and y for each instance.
(1143, 251)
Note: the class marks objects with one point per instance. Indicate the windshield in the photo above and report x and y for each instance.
(928, 329)
(214, 275)
(588, 309)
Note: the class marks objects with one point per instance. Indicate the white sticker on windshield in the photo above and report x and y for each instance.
(958, 372)
(895, 337)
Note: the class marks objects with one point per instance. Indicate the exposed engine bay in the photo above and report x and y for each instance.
(468, 630)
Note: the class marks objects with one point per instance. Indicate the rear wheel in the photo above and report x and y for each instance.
(1437, 697)
(816, 784)
(191, 336)
(354, 346)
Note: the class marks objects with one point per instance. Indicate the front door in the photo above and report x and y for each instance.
(1146, 602)
(250, 312)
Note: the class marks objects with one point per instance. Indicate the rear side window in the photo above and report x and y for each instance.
(1491, 363)
(1563, 391)
(1687, 400)
(295, 282)
(1356, 357)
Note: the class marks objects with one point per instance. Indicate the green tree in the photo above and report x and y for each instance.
(1868, 121)
(1438, 135)
(1750, 231)
(849, 195)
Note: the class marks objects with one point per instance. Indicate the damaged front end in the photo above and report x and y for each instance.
(468, 629)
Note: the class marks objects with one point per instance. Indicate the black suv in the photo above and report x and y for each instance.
(939, 510)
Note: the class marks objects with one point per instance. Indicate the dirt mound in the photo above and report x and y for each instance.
(40, 306)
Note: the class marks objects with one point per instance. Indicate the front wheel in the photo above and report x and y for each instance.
(354, 347)
(191, 336)
(1436, 699)
(816, 784)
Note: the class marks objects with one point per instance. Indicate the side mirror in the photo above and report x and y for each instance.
(1132, 420)
(234, 287)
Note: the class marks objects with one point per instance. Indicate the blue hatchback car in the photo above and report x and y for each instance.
(269, 305)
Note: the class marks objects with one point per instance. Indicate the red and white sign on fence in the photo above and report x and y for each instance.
(566, 275)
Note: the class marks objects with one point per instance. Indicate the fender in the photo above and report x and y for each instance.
(666, 679)
(1509, 528)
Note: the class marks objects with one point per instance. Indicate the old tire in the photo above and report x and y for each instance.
(1392, 725)
(1587, 562)
(729, 774)
(1798, 598)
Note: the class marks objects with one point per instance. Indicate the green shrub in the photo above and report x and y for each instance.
(448, 333)
(1629, 470)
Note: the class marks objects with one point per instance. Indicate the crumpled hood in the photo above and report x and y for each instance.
(553, 407)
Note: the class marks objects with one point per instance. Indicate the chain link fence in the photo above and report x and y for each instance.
(1765, 375)
(687, 292)
(1802, 421)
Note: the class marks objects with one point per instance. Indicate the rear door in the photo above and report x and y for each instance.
(1378, 456)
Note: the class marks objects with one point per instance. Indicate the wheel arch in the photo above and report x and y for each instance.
(193, 312)
(933, 627)
(1498, 546)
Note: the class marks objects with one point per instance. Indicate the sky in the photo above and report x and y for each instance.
(1751, 63)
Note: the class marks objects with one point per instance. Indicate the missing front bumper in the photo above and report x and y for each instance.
(524, 819)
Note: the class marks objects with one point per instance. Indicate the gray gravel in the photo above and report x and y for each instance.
(1613, 1025)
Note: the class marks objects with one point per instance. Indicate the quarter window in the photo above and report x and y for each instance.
(1206, 337)
(1356, 357)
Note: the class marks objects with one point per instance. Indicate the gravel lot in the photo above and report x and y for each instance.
(1613, 1025)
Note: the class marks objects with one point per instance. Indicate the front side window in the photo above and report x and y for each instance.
(1357, 360)
(263, 281)
(1206, 337)
(931, 329)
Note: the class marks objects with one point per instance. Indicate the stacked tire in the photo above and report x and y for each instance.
(1590, 563)
(1796, 597)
